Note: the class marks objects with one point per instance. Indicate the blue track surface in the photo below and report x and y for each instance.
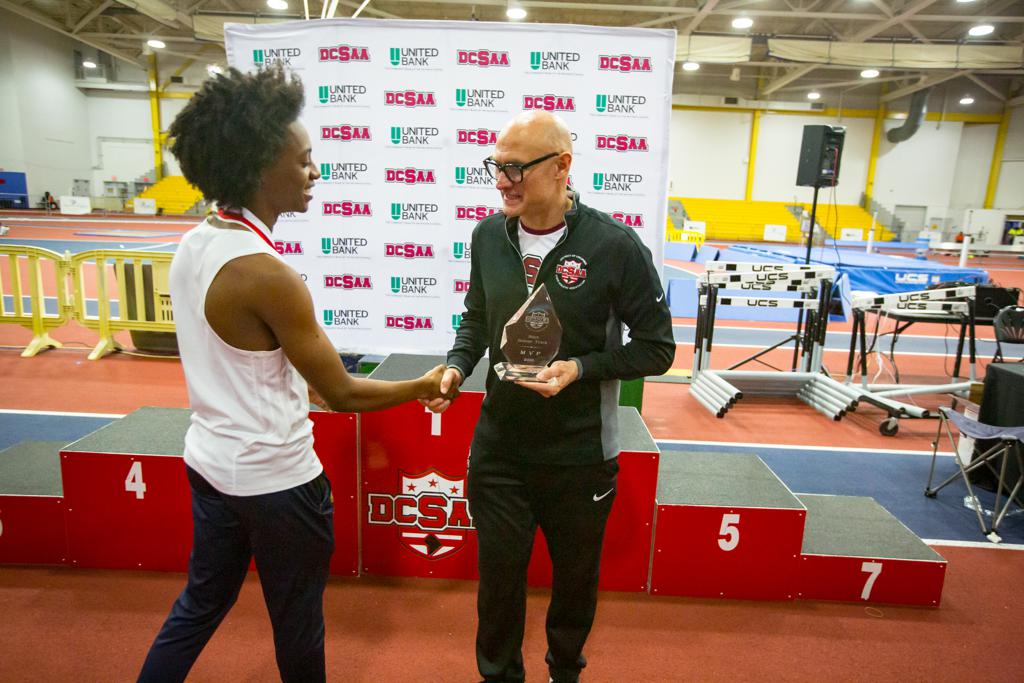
(18, 427)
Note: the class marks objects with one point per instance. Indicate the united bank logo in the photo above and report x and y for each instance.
(413, 286)
(462, 251)
(282, 56)
(481, 58)
(632, 220)
(347, 209)
(346, 132)
(415, 136)
(624, 63)
(484, 137)
(349, 172)
(344, 54)
(560, 62)
(472, 176)
(479, 98)
(620, 143)
(413, 57)
(409, 98)
(456, 321)
(622, 183)
(338, 94)
(348, 281)
(344, 247)
(430, 513)
(410, 176)
(549, 102)
(348, 318)
(621, 105)
(415, 213)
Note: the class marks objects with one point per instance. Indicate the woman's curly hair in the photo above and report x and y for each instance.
(233, 129)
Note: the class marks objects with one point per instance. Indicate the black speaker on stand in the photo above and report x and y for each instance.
(820, 153)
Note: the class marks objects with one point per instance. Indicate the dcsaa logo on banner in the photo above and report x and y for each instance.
(402, 114)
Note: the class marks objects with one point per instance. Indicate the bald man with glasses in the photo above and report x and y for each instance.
(545, 453)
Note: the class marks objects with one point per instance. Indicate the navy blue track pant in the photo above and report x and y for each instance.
(291, 535)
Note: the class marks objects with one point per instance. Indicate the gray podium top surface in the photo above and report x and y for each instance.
(855, 526)
(399, 366)
(633, 433)
(31, 468)
(721, 480)
(147, 431)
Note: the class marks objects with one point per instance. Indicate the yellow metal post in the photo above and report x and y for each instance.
(154, 113)
(876, 141)
(755, 127)
(997, 160)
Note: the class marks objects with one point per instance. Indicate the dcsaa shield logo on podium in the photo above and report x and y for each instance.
(430, 511)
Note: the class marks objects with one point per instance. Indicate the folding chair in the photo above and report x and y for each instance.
(1009, 327)
(1009, 444)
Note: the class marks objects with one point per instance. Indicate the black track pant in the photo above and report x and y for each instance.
(571, 505)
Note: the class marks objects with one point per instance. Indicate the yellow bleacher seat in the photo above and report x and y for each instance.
(849, 216)
(738, 220)
(173, 194)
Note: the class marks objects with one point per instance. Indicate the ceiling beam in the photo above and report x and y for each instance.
(922, 84)
(1016, 102)
(91, 14)
(843, 84)
(900, 18)
(985, 86)
(701, 15)
(54, 26)
(787, 78)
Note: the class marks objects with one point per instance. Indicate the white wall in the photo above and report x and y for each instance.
(778, 153)
(709, 153)
(919, 171)
(1010, 194)
(970, 177)
(39, 91)
(122, 136)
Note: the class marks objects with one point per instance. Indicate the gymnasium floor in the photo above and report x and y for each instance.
(63, 624)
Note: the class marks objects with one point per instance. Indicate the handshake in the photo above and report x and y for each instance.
(442, 388)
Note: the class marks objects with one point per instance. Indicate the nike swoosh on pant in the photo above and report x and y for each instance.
(598, 498)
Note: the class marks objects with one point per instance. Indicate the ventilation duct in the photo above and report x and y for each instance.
(915, 117)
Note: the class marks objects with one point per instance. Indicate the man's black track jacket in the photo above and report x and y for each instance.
(599, 276)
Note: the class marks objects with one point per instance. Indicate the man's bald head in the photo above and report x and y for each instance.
(543, 129)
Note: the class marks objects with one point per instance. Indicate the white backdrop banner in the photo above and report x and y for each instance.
(402, 115)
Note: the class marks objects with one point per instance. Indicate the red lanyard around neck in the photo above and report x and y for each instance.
(239, 218)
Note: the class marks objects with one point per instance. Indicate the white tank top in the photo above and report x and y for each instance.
(250, 431)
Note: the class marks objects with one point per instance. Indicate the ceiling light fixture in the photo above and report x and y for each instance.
(981, 30)
(964, 2)
(514, 11)
(742, 22)
(966, 99)
(89, 65)
(156, 44)
(690, 66)
(814, 95)
(214, 69)
(277, 4)
(869, 73)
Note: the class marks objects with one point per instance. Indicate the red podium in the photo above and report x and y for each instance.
(726, 527)
(31, 504)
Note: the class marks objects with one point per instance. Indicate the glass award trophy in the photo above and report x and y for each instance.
(530, 339)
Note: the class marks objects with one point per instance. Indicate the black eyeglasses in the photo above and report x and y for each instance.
(512, 170)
